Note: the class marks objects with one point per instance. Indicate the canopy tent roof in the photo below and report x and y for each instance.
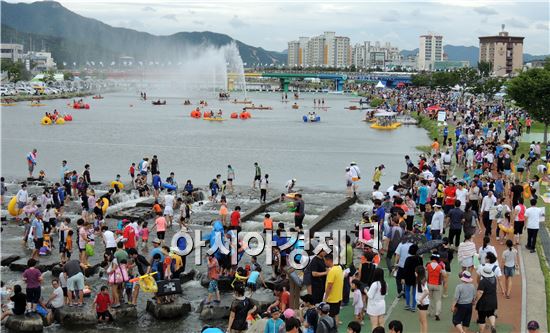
(380, 85)
(383, 113)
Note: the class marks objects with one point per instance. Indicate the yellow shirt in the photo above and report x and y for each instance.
(336, 277)
(377, 175)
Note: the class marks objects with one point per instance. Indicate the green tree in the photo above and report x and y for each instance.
(530, 90)
(16, 71)
(488, 87)
(485, 68)
(467, 78)
(421, 80)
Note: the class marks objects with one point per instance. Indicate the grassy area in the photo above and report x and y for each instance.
(546, 272)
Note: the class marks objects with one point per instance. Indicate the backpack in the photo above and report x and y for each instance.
(330, 329)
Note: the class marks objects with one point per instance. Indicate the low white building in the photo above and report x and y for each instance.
(13, 52)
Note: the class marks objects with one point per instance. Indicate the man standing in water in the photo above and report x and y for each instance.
(257, 175)
(230, 178)
(355, 176)
(31, 161)
(154, 165)
(299, 214)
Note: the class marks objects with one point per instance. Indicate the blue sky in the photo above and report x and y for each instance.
(271, 24)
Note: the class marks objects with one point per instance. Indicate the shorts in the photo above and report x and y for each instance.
(76, 282)
(423, 307)
(65, 292)
(110, 250)
(168, 211)
(160, 234)
(38, 243)
(21, 204)
(252, 286)
(298, 221)
(482, 315)
(509, 271)
(508, 172)
(358, 311)
(334, 309)
(518, 227)
(31, 167)
(349, 183)
(62, 246)
(143, 173)
(520, 169)
(33, 295)
(213, 286)
(229, 179)
(257, 177)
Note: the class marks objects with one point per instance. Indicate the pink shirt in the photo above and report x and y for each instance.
(144, 233)
(161, 223)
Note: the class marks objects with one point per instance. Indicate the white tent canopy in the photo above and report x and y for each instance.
(380, 85)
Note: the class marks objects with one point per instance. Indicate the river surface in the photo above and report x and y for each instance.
(121, 129)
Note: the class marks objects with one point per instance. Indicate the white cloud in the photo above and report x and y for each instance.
(485, 11)
(237, 23)
(171, 17)
(148, 9)
(543, 26)
(515, 23)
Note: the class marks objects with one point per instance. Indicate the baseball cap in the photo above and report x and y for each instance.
(275, 309)
(323, 307)
(156, 241)
(533, 325)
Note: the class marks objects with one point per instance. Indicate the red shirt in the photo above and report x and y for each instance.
(285, 299)
(130, 234)
(235, 218)
(450, 195)
(103, 301)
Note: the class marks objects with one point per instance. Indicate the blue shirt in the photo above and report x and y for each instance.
(423, 195)
(188, 187)
(253, 277)
(61, 194)
(381, 213)
(38, 228)
(272, 326)
(155, 251)
(445, 131)
(156, 181)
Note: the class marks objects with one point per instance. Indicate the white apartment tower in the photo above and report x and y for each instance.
(430, 51)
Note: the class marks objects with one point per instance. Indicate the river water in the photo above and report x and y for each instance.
(121, 129)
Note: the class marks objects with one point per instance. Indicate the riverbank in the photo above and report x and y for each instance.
(71, 95)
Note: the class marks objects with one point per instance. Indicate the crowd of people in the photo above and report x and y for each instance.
(470, 189)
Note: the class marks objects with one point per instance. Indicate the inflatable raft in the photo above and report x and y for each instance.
(387, 127)
(213, 119)
(311, 119)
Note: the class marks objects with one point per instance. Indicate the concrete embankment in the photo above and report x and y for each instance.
(330, 214)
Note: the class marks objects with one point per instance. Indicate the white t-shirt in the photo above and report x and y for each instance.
(532, 215)
(437, 220)
(58, 300)
(144, 166)
(109, 238)
(541, 168)
(23, 196)
(483, 253)
(169, 200)
(461, 195)
(392, 192)
(494, 267)
(354, 171)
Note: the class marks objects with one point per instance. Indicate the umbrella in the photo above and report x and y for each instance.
(507, 146)
(429, 245)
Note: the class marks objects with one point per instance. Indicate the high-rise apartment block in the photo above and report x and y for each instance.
(327, 50)
(503, 51)
(430, 51)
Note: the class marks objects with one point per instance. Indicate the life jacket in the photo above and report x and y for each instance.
(521, 214)
(434, 274)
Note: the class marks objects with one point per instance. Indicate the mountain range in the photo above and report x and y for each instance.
(469, 53)
(74, 38)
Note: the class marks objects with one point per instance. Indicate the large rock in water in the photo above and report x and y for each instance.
(124, 313)
(214, 311)
(187, 276)
(262, 300)
(32, 323)
(6, 261)
(76, 316)
(174, 310)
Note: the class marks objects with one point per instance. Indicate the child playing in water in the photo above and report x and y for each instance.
(213, 275)
(69, 244)
(223, 214)
(268, 223)
(144, 234)
(157, 209)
